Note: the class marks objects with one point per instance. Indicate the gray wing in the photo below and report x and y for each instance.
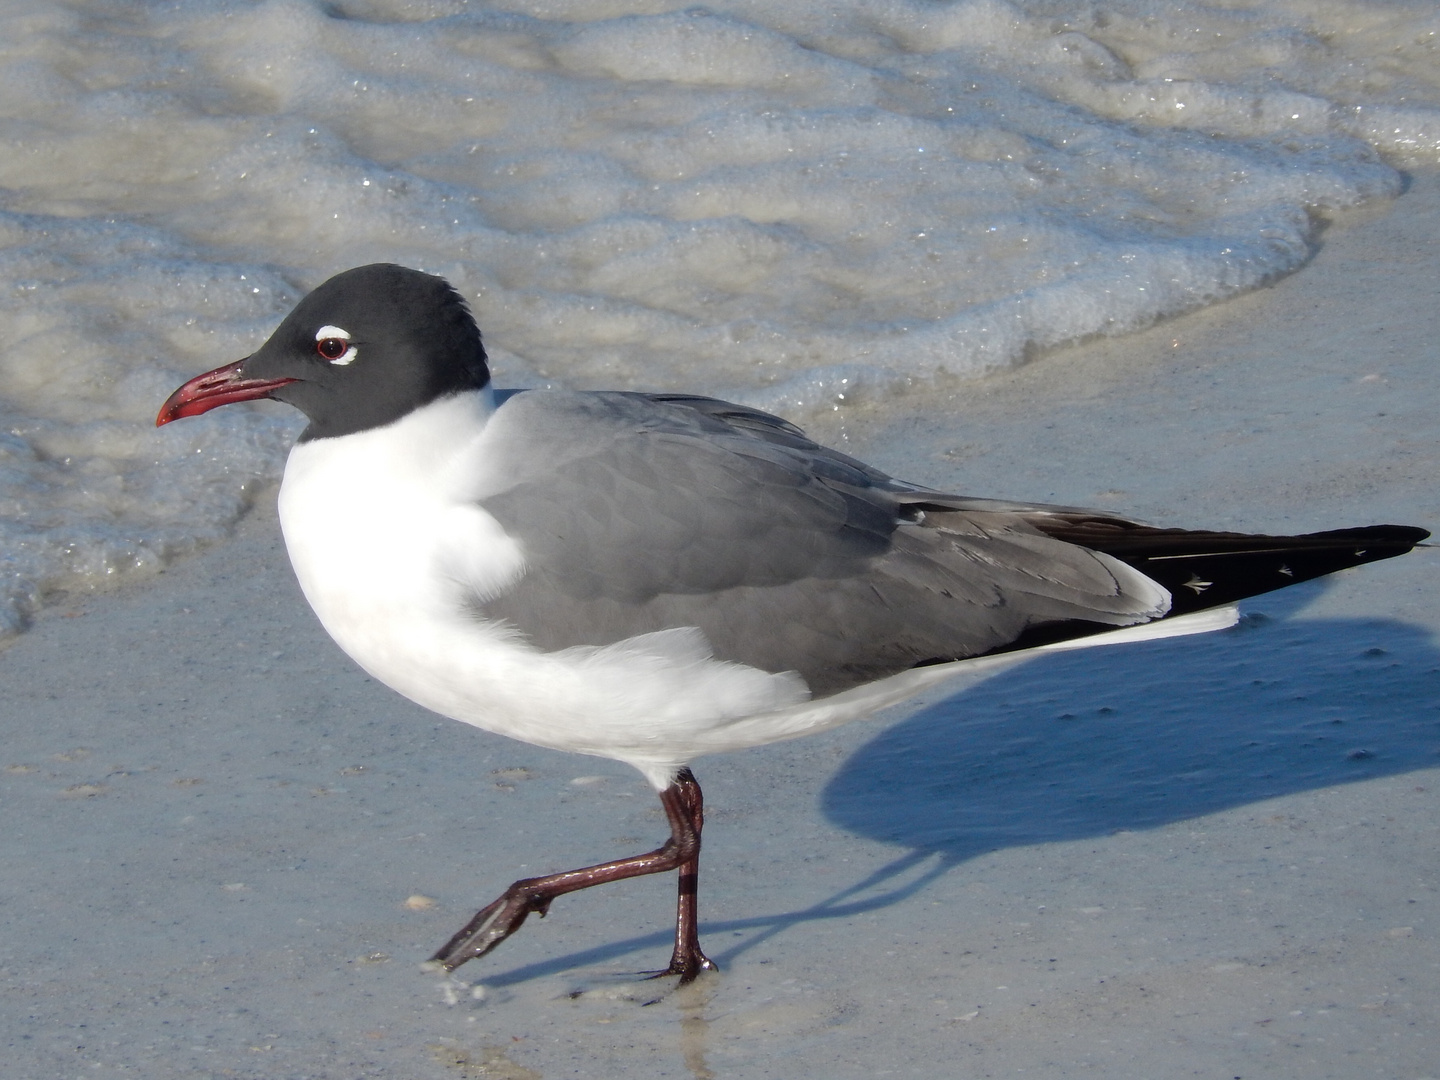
(640, 513)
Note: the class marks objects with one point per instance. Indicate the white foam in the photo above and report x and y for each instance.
(788, 204)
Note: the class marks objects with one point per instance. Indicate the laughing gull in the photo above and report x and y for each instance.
(652, 577)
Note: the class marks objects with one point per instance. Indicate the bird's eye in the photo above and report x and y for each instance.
(334, 345)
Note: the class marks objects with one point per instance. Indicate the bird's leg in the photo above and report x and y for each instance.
(497, 921)
(688, 960)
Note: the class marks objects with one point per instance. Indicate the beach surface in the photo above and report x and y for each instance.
(227, 851)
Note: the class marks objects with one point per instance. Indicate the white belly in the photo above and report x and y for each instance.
(392, 548)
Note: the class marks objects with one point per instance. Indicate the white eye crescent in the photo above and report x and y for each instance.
(333, 344)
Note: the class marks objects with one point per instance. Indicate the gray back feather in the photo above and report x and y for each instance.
(639, 513)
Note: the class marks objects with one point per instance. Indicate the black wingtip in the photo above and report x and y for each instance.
(1207, 569)
(1203, 572)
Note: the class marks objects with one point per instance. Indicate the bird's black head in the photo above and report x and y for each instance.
(361, 351)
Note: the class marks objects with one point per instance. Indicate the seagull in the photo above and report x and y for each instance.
(653, 577)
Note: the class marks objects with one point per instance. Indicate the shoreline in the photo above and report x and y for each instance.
(214, 821)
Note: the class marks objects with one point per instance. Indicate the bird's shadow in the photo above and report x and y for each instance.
(1086, 743)
(1079, 744)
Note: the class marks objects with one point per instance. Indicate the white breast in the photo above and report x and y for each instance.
(391, 549)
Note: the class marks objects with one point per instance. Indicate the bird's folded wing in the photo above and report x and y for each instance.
(638, 514)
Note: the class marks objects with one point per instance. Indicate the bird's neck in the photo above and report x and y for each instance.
(368, 517)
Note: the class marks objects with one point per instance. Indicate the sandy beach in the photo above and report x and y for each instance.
(227, 851)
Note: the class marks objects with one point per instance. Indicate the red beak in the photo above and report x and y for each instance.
(213, 389)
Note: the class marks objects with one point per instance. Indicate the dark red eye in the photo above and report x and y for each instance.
(332, 348)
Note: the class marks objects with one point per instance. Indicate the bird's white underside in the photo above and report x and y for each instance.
(392, 547)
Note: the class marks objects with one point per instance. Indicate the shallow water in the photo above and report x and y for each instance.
(795, 205)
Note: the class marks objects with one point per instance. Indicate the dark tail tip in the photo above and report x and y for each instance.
(1205, 571)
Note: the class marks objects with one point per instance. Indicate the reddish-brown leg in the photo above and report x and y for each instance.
(688, 960)
(684, 806)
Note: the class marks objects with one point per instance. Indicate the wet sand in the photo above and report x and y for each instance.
(226, 850)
